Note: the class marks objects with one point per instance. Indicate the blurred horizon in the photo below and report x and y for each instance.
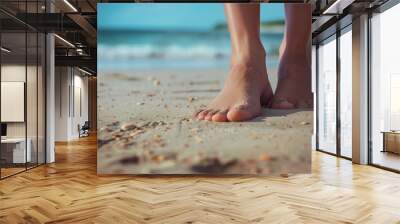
(159, 36)
(173, 16)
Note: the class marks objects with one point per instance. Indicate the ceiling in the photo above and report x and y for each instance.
(74, 22)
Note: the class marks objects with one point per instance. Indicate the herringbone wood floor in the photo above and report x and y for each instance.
(69, 191)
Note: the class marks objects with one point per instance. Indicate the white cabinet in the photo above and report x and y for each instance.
(15, 148)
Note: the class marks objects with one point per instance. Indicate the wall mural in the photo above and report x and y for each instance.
(204, 89)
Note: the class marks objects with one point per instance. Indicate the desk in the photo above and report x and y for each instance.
(391, 141)
(13, 150)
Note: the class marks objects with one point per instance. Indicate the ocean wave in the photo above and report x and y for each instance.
(126, 52)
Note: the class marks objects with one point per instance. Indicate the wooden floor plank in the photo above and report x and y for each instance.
(69, 191)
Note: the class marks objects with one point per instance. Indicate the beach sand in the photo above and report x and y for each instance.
(145, 127)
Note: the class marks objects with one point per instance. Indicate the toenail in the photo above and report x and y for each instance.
(197, 112)
(203, 114)
(212, 112)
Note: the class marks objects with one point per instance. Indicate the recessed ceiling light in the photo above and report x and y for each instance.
(65, 41)
(337, 7)
(5, 50)
(84, 71)
(70, 5)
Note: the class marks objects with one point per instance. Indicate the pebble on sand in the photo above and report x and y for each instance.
(198, 139)
(285, 175)
(265, 157)
(212, 165)
(158, 158)
(156, 82)
(195, 130)
(128, 126)
(136, 132)
(166, 164)
(130, 160)
(191, 99)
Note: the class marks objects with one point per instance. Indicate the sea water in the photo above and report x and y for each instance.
(128, 50)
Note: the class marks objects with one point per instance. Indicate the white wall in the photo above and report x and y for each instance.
(69, 82)
(81, 84)
(33, 126)
(12, 100)
(62, 81)
(12, 73)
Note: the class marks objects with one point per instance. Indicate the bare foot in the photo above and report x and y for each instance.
(245, 90)
(294, 84)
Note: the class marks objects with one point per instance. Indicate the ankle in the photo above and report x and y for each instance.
(296, 53)
(253, 58)
(295, 58)
(247, 50)
(296, 68)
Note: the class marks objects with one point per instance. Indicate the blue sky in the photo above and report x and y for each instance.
(171, 15)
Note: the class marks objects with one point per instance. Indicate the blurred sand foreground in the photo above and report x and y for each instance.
(145, 127)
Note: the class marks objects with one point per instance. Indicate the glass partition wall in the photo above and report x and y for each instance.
(345, 93)
(14, 153)
(22, 77)
(326, 88)
(334, 90)
(385, 89)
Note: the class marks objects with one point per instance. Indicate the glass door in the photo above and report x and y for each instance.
(346, 94)
(326, 61)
